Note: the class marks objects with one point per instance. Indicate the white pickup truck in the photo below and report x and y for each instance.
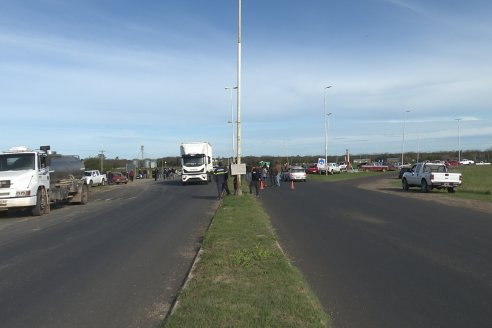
(95, 178)
(428, 176)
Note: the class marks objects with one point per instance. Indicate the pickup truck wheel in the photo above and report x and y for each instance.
(91, 183)
(405, 185)
(103, 182)
(424, 187)
(451, 190)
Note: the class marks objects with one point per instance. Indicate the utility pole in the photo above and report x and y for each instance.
(239, 190)
(102, 157)
(141, 154)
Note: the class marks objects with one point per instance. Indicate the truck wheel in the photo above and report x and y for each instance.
(451, 190)
(103, 182)
(405, 185)
(424, 187)
(46, 202)
(84, 198)
(37, 209)
(91, 183)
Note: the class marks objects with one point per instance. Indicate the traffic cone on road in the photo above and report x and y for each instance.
(292, 184)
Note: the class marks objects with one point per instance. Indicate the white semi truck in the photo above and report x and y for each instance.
(33, 179)
(196, 162)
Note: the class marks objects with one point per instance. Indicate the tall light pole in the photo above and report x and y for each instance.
(403, 137)
(239, 190)
(232, 122)
(459, 140)
(326, 129)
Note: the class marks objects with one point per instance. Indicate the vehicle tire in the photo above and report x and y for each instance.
(424, 187)
(103, 182)
(451, 190)
(405, 185)
(46, 202)
(91, 183)
(37, 209)
(84, 198)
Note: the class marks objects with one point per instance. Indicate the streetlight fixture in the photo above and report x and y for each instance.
(232, 122)
(403, 137)
(326, 129)
(459, 139)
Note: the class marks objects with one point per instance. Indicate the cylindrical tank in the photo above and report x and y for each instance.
(64, 166)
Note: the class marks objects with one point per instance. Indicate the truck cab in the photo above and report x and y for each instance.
(24, 178)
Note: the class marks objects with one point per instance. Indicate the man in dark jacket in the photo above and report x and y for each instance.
(221, 175)
(255, 179)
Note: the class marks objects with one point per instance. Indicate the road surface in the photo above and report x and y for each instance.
(385, 260)
(116, 262)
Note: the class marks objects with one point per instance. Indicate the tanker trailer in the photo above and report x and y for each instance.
(66, 183)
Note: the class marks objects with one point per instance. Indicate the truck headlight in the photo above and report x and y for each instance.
(23, 193)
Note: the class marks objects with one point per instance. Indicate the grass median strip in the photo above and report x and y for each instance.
(243, 279)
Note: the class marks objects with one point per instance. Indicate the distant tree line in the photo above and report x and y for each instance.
(94, 163)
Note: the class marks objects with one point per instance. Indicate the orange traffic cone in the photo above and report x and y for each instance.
(261, 184)
(292, 184)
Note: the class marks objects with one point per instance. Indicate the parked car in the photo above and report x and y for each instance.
(312, 169)
(466, 162)
(342, 166)
(94, 178)
(119, 178)
(482, 163)
(333, 168)
(295, 173)
(428, 176)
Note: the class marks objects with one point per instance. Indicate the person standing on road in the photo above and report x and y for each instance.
(221, 175)
(278, 172)
(255, 180)
(271, 175)
(132, 175)
(264, 175)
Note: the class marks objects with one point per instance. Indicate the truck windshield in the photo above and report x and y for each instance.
(17, 162)
(193, 160)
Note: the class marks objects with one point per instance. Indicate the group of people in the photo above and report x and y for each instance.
(266, 175)
(167, 173)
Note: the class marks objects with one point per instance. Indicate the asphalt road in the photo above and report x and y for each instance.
(382, 260)
(116, 262)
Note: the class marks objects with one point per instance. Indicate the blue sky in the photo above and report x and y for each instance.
(85, 76)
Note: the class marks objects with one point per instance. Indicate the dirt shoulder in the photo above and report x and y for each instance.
(387, 185)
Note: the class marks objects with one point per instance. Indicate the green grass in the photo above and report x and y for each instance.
(243, 279)
(476, 183)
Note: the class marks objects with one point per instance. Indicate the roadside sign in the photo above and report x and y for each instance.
(321, 162)
(238, 169)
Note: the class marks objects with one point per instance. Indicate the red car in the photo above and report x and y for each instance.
(312, 169)
(119, 178)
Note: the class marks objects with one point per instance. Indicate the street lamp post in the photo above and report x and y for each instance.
(459, 140)
(232, 122)
(403, 137)
(239, 190)
(326, 129)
